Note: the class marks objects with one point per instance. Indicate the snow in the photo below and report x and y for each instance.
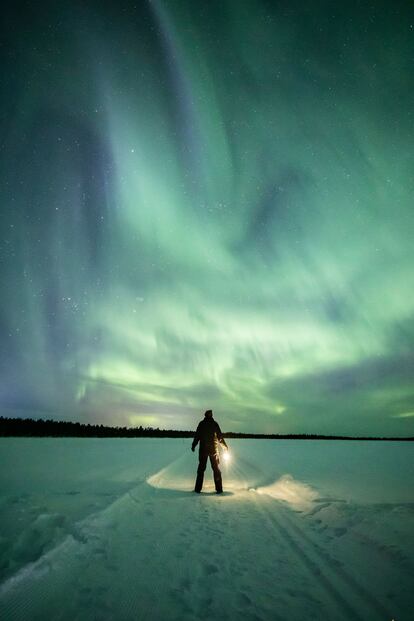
(109, 529)
(299, 495)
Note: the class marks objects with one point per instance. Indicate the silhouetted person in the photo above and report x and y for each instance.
(209, 435)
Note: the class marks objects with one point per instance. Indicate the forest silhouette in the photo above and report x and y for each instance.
(29, 427)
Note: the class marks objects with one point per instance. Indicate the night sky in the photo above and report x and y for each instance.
(209, 205)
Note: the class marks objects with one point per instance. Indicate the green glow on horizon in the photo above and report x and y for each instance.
(245, 242)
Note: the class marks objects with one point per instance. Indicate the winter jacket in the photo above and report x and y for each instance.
(209, 435)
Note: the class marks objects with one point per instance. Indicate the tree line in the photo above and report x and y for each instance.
(29, 427)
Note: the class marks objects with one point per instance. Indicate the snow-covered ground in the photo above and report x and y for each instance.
(95, 529)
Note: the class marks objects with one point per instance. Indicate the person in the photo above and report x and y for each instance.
(209, 436)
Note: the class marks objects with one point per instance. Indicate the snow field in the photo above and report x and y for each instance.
(109, 529)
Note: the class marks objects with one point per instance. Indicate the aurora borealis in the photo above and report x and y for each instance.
(209, 205)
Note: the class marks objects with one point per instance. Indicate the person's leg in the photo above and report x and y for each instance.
(202, 462)
(214, 460)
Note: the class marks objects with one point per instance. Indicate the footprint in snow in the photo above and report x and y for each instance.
(245, 599)
(340, 531)
(111, 567)
(210, 569)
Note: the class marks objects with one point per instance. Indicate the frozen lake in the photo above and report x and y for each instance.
(105, 529)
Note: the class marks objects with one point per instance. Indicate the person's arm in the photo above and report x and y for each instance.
(196, 438)
(220, 436)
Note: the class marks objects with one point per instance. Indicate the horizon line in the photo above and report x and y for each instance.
(185, 432)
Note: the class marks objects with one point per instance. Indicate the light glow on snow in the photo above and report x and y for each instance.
(297, 494)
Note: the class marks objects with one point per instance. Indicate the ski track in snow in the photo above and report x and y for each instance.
(168, 554)
(351, 599)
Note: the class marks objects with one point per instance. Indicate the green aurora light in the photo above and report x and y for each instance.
(209, 205)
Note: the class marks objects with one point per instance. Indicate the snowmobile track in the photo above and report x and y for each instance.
(339, 584)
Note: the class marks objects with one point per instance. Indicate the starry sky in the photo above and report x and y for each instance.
(209, 205)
